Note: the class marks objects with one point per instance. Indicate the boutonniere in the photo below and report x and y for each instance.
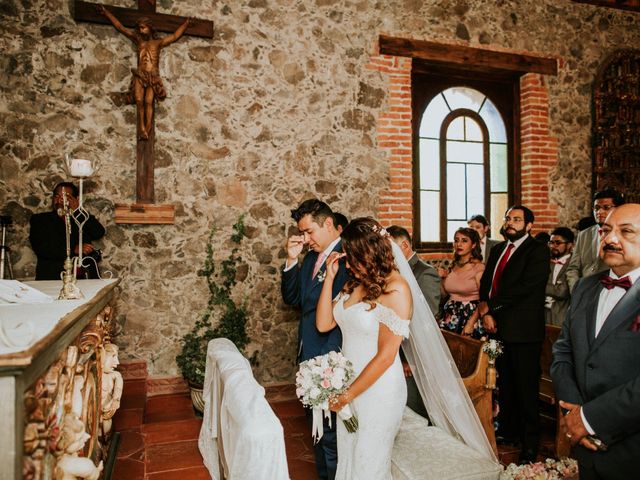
(635, 326)
(322, 274)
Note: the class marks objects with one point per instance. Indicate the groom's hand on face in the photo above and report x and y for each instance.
(295, 244)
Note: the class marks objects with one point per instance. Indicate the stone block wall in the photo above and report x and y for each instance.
(289, 100)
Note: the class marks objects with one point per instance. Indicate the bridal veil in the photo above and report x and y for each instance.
(435, 371)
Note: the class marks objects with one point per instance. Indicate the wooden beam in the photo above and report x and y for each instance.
(88, 12)
(631, 5)
(469, 56)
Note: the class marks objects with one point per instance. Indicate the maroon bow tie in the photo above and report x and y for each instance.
(609, 283)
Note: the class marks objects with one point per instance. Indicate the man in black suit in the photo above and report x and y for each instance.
(49, 241)
(301, 287)
(596, 359)
(512, 291)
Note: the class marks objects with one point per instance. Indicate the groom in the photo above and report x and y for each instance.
(301, 286)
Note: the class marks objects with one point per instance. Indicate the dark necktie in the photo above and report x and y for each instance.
(499, 270)
(608, 282)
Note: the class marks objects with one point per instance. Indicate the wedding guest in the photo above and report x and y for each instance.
(341, 221)
(557, 290)
(301, 287)
(512, 307)
(584, 259)
(481, 225)
(585, 222)
(429, 283)
(596, 360)
(462, 284)
(543, 237)
(48, 238)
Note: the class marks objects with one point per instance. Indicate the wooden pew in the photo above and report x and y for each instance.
(472, 363)
(546, 391)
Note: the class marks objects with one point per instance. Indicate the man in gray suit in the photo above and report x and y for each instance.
(481, 225)
(585, 260)
(557, 290)
(429, 282)
(596, 360)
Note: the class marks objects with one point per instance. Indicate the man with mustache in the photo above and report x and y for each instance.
(596, 360)
(585, 260)
(512, 292)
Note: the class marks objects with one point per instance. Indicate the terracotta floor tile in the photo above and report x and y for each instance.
(289, 408)
(126, 419)
(279, 393)
(138, 400)
(134, 387)
(295, 426)
(299, 449)
(131, 444)
(195, 473)
(301, 470)
(173, 456)
(128, 469)
(167, 432)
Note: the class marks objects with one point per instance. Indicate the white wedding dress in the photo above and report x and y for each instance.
(366, 453)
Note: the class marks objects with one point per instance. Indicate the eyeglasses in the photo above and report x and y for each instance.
(606, 208)
(556, 242)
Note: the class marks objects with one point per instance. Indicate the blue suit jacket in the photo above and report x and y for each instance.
(300, 290)
(603, 375)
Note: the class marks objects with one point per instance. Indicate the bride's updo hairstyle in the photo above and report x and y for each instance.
(368, 252)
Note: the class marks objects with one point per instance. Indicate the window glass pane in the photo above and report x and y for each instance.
(475, 188)
(452, 226)
(429, 164)
(430, 216)
(456, 195)
(465, 152)
(432, 117)
(498, 167)
(472, 130)
(498, 207)
(495, 124)
(455, 131)
(463, 97)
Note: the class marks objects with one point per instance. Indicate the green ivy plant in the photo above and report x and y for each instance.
(232, 317)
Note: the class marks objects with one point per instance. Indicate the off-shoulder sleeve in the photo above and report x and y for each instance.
(390, 318)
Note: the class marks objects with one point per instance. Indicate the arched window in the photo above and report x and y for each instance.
(462, 163)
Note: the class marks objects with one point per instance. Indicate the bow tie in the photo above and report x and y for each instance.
(609, 283)
(558, 261)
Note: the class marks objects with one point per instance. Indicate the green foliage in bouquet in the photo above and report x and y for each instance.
(232, 317)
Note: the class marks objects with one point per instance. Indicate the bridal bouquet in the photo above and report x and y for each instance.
(320, 378)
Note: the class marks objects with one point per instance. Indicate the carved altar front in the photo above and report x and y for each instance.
(62, 389)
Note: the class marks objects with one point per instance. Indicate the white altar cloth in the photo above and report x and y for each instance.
(240, 433)
(23, 325)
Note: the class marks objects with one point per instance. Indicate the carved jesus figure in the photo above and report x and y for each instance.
(146, 84)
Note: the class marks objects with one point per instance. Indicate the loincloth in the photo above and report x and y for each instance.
(147, 80)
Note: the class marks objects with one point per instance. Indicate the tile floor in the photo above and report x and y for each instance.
(159, 436)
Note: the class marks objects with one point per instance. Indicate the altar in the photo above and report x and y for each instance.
(58, 386)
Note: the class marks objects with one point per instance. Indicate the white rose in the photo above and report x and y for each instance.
(314, 392)
(337, 382)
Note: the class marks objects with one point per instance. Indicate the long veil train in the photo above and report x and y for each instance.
(436, 374)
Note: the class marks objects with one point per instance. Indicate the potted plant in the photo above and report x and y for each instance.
(223, 317)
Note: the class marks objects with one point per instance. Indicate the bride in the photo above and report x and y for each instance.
(374, 312)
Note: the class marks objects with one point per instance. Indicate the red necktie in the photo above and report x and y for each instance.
(608, 282)
(500, 269)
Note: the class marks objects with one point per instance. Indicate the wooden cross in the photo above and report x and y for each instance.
(144, 210)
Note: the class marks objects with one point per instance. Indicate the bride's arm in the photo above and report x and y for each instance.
(324, 310)
(388, 345)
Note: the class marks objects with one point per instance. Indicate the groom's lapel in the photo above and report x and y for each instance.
(315, 282)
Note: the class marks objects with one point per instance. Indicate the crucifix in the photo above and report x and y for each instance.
(140, 25)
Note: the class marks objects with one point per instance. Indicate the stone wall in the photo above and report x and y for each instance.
(278, 107)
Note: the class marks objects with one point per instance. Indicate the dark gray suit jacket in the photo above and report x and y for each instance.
(603, 375)
(428, 280)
